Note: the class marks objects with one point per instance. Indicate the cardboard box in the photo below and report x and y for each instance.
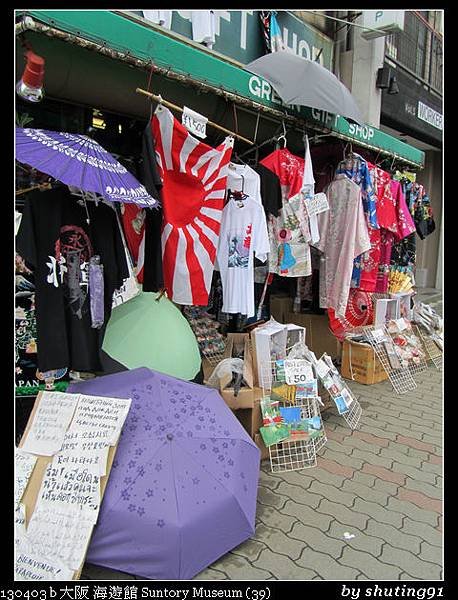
(280, 306)
(251, 418)
(361, 364)
(318, 337)
(244, 399)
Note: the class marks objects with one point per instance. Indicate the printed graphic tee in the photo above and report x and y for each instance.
(243, 233)
(56, 242)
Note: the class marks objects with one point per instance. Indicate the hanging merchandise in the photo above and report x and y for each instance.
(57, 242)
(270, 190)
(276, 40)
(344, 235)
(355, 167)
(194, 182)
(422, 211)
(161, 17)
(243, 233)
(289, 234)
(242, 178)
(203, 27)
(211, 342)
(79, 161)
(360, 312)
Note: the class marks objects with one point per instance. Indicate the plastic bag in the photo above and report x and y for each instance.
(228, 366)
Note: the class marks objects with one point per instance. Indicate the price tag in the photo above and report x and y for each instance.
(378, 335)
(316, 204)
(321, 368)
(298, 371)
(194, 122)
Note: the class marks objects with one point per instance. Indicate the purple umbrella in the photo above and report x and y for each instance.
(78, 161)
(183, 486)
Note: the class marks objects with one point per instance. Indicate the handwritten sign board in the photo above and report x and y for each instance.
(57, 512)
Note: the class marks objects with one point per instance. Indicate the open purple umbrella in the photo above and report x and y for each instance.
(183, 486)
(78, 161)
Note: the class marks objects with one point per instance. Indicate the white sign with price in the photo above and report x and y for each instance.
(194, 122)
(298, 371)
(316, 204)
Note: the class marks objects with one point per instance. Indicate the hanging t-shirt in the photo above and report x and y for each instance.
(161, 17)
(243, 232)
(242, 178)
(57, 243)
(270, 190)
(203, 27)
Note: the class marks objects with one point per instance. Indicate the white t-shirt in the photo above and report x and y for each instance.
(243, 232)
(242, 178)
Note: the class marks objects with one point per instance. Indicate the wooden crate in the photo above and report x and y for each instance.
(361, 364)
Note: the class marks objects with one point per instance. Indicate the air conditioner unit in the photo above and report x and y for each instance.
(384, 22)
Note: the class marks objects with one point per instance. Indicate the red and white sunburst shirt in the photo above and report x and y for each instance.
(194, 182)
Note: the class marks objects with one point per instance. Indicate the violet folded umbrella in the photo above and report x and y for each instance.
(79, 161)
(183, 486)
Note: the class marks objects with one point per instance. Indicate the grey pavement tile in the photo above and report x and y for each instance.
(332, 493)
(430, 553)
(270, 498)
(432, 468)
(210, 574)
(307, 515)
(354, 442)
(363, 479)
(343, 514)
(320, 474)
(343, 459)
(386, 486)
(400, 457)
(362, 541)
(250, 549)
(299, 495)
(238, 567)
(410, 563)
(274, 518)
(395, 536)
(372, 459)
(277, 541)
(377, 512)
(328, 568)
(317, 540)
(283, 567)
(433, 491)
(370, 566)
(366, 493)
(414, 473)
(414, 512)
(424, 531)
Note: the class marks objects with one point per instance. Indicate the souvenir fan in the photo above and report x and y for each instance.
(359, 312)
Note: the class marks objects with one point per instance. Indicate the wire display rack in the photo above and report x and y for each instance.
(401, 378)
(432, 350)
(353, 415)
(417, 364)
(298, 451)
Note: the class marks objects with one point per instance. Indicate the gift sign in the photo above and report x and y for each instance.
(194, 122)
(378, 335)
(316, 204)
(298, 371)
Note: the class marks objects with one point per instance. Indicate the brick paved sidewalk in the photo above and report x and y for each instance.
(382, 483)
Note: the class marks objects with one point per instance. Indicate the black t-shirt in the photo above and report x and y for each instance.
(54, 228)
(270, 190)
(153, 278)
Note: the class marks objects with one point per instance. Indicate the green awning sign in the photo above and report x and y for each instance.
(148, 43)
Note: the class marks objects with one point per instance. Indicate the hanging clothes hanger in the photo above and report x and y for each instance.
(160, 101)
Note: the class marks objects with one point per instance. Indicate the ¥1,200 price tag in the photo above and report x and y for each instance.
(194, 122)
(298, 371)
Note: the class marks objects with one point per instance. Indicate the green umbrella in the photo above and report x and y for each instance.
(146, 333)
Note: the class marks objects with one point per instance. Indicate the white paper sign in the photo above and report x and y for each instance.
(31, 565)
(298, 371)
(19, 522)
(378, 336)
(80, 449)
(51, 420)
(24, 465)
(316, 204)
(401, 324)
(60, 533)
(194, 122)
(99, 415)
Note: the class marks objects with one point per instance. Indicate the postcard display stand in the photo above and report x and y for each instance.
(400, 377)
(432, 350)
(347, 405)
(401, 327)
(298, 451)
